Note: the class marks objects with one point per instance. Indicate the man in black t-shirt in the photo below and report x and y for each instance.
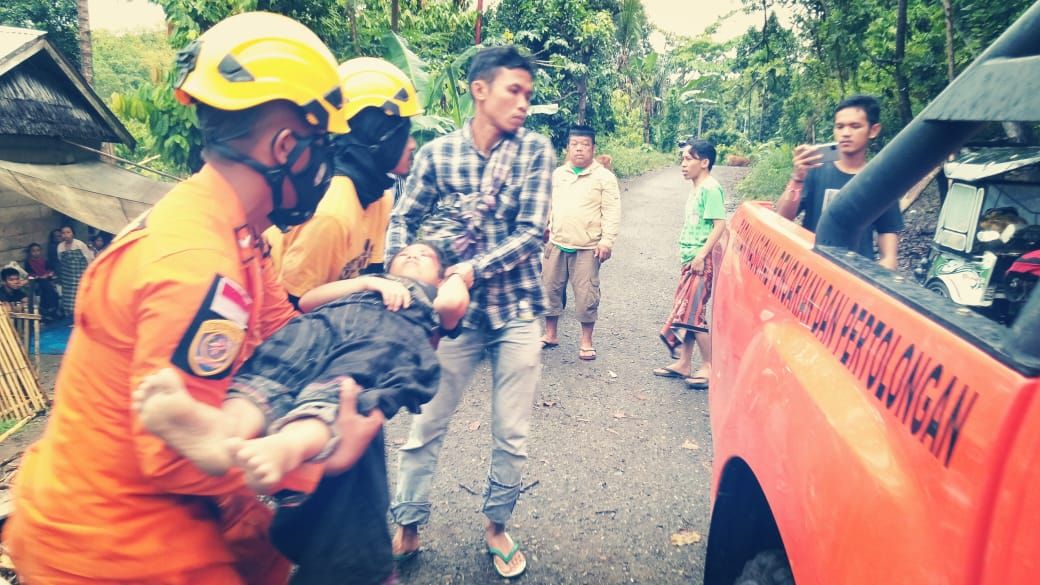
(814, 183)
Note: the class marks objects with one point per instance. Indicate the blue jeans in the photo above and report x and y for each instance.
(516, 363)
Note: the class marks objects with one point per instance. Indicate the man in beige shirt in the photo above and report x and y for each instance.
(583, 225)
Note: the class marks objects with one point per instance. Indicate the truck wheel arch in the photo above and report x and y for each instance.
(742, 525)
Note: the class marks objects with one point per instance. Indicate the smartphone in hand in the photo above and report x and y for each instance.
(828, 152)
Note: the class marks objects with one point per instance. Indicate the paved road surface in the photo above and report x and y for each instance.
(619, 459)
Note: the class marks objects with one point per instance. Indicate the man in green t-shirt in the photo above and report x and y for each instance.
(705, 222)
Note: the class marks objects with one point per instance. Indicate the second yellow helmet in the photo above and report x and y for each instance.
(371, 82)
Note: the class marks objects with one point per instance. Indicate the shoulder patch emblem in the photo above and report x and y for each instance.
(214, 348)
(212, 341)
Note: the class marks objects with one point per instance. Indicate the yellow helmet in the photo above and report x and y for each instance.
(378, 83)
(257, 57)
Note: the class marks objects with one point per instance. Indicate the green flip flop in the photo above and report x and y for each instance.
(507, 558)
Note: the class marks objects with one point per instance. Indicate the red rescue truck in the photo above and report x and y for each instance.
(865, 429)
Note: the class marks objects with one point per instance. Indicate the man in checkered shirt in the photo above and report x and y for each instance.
(481, 195)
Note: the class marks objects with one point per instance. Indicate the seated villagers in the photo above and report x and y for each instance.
(11, 293)
(42, 274)
(370, 329)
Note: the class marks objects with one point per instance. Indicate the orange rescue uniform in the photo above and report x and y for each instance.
(99, 498)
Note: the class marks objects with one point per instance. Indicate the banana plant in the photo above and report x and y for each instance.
(444, 94)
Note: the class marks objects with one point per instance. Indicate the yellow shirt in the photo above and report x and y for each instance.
(337, 243)
(586, 208)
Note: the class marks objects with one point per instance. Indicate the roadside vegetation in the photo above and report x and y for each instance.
(770, 170)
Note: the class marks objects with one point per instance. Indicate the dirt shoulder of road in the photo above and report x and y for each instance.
(19, 441)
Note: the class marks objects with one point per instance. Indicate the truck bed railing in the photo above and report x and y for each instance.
(1001, 85)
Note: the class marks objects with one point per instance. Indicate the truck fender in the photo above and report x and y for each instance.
(742, 524)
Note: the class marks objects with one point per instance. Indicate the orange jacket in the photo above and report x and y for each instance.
(187, 286)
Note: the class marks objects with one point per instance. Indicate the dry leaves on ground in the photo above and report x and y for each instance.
(685, 537)
(474, 425)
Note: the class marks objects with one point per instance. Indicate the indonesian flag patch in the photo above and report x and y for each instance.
(231, 302)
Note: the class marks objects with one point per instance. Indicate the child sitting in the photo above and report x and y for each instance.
(373, 329)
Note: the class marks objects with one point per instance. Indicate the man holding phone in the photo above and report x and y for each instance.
(821, 171)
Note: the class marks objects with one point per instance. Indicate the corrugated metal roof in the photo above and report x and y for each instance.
(12, 39)
(977, 164)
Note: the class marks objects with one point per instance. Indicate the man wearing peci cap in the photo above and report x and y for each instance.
(583, 226)
(186, 286)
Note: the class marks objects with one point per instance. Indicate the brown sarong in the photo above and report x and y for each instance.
(690, 307)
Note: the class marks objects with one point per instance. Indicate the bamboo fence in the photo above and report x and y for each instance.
(20, 394)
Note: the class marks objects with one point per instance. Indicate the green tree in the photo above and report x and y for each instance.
(762, 61)
(126, 62)
(349, 28)
(172, 131)
(700, 79)
(57, 17)
(576, 45)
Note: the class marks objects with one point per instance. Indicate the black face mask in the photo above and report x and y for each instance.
(309, 184)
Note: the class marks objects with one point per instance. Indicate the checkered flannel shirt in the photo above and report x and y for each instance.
(507, 270)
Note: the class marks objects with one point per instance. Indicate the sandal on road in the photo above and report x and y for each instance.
(668, 373)
(503, 569)
(587, 353)
(697, 383)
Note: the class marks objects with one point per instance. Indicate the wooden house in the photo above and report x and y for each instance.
(48, 114)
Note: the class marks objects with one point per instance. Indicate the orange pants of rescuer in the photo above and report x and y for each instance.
(245, 529)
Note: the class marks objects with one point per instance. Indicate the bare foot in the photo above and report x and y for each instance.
(499, 540)
(194, 429)
(406, 542)
(266, 460)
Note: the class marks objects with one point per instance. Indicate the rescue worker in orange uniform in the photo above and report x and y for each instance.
(98, 499)
(348, 231)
